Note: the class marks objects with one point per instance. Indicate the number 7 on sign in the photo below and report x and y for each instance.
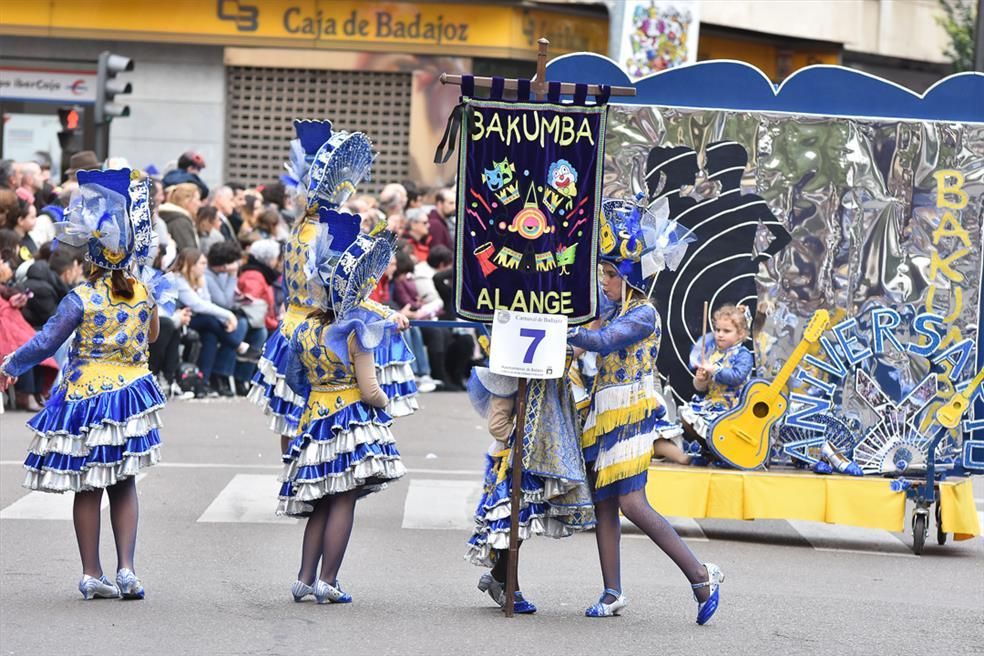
(537, 335)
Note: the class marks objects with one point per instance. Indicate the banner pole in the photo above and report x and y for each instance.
(515, 497)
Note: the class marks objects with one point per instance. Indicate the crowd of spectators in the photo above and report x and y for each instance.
(221, 248)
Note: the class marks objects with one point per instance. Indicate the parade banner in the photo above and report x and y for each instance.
(529, 183)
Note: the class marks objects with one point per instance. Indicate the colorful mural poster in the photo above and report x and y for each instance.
(657, 35)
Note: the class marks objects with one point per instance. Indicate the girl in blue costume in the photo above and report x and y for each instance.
(723, 366)
(99, 429)
(344, 449)
(325, 167)
(626, 415)
(555, 498)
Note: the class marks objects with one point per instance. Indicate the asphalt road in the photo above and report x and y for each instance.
(218, 566)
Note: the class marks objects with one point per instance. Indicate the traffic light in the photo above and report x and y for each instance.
(70, 137)
(108, 87)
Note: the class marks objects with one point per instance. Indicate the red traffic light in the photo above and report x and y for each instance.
(69, 118)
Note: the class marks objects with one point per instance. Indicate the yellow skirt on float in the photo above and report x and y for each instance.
(711, 493)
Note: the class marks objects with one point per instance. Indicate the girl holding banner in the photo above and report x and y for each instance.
(555, 499)
(626, 413)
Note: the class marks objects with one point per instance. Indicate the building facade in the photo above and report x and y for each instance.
(226, 77)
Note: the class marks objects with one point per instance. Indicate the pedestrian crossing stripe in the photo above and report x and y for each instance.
(47, 505)
(838, 537)
(439, 504)
(446, 504)
(246, 499)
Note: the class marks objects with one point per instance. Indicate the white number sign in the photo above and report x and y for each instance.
(528, 345)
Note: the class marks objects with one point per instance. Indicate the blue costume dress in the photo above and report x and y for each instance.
(100, 424)
(724, 388)
(270, 391)
(343, 443)
(626, 413)
(555, 499)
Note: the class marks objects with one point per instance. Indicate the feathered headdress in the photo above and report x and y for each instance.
(311, 136)
(338, 167)
(345, 263)
(98, 218)
(639, 241)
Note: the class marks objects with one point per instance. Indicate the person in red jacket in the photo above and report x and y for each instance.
(256, 283)
(442, 220)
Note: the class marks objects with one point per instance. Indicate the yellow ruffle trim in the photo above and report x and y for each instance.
(609, 421)
(624, 469)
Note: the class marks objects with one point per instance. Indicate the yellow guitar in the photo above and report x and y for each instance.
(741, 436)
(948, 415)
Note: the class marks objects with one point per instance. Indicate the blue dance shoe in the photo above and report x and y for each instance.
(103, 588)
(521, 606)
(325, 593)
(496, 590)
(130, 586)
(300, 590)
(715, 577)
(601, 609)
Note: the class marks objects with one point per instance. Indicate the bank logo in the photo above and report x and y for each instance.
(78, 87)
(246, 17)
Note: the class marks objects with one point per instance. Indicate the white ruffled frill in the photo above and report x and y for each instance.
(96, 476)
(312, 490)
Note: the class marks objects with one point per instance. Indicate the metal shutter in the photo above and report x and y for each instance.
(262, 103)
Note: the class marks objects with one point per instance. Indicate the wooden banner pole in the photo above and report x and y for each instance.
(539, 86)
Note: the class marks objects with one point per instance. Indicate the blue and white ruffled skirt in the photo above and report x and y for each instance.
(348, 450)
(97, 441)
(270, 391)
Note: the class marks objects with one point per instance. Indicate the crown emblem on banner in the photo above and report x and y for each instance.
(508, 193)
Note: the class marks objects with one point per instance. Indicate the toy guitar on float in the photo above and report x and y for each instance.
(740, 437)
(948, 415)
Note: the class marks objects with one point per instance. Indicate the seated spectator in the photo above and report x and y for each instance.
(417, 233)
(165, 353)
(257, 281)
(463, 351)
(442, 219)
(407, 300)
(179, 213)
(190, 164)
(269, 225)
(438, 340)
(392, 200)
(208, 226)
(30, 388)
(382, 292)
(223, 199)
(249, 210)
(49, 281)
(216, 326)
(19, 215)
(221, 278)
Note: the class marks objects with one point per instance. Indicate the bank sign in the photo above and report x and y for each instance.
(47, 85)
(456, 28)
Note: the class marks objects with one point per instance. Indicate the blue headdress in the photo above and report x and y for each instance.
(345, 262)
(110, 216)
(311, 135)
(639, 241)
(98, 217)
(342, 260)
(339, 166)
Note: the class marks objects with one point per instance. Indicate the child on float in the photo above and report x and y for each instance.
(555, 499)
(344, 448)
(100, 426)
(625, 412)
(722, 366)
(325, 167)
